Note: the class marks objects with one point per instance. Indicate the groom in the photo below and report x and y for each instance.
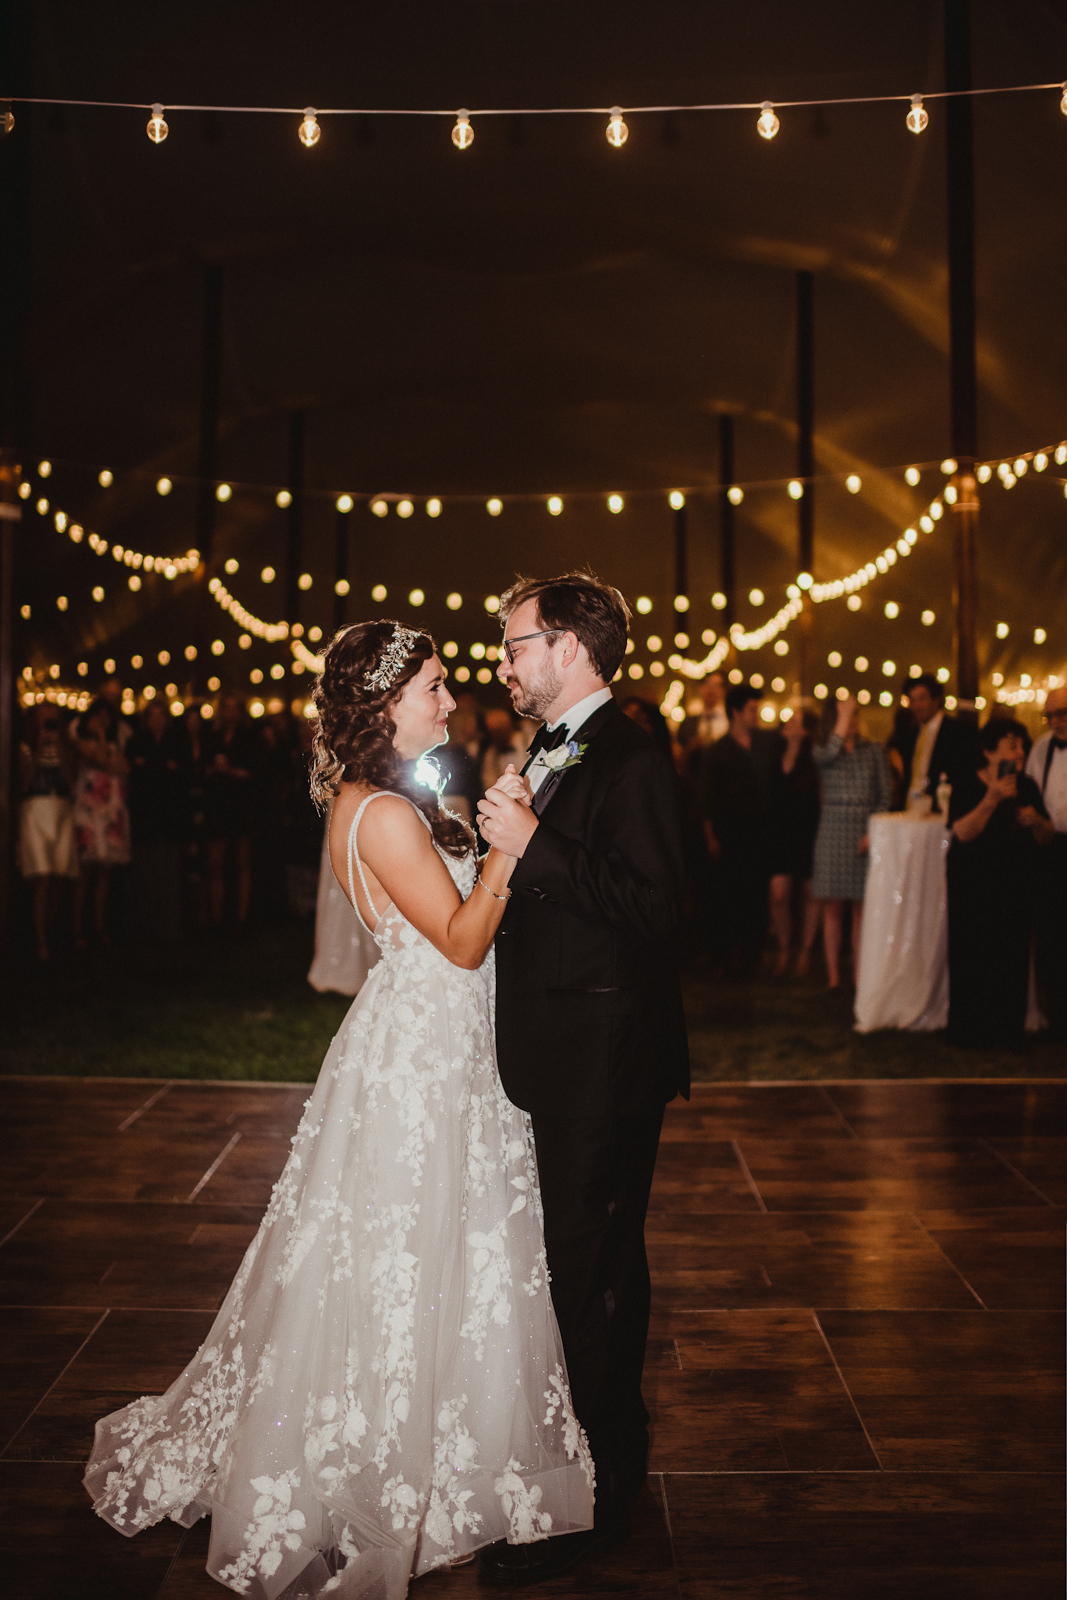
(590, 1033)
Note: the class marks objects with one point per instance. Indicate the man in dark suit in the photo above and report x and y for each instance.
(591, 1035)
(937, 744)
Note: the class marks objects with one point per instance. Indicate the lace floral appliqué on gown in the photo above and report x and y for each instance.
(384, 1388)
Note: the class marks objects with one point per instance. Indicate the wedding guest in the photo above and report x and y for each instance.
(1047, 766)
(159, 760)
(794, 824)
(1001, 830)
(737, 781)
(229, 761)
(937, 744)
(46, 849)
(714, 720)
(901, 738)
(855, 783)
(111, 692)
(648, 715)
(101, 819)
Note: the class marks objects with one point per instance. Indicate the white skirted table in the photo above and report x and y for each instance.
(903, 975)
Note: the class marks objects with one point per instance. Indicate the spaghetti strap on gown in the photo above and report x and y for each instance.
(384, 1388)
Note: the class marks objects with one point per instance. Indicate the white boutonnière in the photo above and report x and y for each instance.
(562, 757)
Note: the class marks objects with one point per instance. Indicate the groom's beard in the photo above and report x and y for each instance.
(533, 698)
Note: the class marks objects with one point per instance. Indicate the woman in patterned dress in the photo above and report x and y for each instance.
(855, 783)
(101, 818)
(383, 1391)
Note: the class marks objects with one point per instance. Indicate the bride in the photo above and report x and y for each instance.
(384, 1389)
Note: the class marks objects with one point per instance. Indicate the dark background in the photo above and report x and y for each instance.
(541, 313)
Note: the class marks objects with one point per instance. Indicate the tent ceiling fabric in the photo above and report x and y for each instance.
(543, 312)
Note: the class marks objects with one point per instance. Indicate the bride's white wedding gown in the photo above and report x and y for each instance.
(384, 1388)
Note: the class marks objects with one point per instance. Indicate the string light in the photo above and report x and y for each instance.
(767, 123)
(795, 489)
(405, 508)
(344, 503)
(949, 466)
(735, 495)
(555, 505)
(309, 133)
(163, 486)
(433, 508)
(676, 499)
(912, 476)
(416, 597)
(494, 507)
(916, 118)
(615, 503)
(7, 119)
(853, 483)
(157, 129)
(454, 601)
(223, 492)
(380, 507)
(283, 498)
(1063, 100)
(463, 133)
(105, 479)
(304, 581)
(617, 131)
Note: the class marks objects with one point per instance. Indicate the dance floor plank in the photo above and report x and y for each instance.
(854, 1362)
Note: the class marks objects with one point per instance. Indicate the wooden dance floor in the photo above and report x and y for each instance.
(854, 1367)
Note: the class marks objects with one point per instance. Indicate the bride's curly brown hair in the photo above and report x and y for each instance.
(354, 732)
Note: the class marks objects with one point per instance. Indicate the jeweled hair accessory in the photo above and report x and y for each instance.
(393, 658)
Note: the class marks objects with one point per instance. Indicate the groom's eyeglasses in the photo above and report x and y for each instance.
(509, 644)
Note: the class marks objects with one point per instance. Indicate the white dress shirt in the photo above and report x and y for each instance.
(924, 749)
(1055, 792)
(572, 719)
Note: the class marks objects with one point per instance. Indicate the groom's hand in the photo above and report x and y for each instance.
(506, 824)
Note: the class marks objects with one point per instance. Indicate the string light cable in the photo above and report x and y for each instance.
(309, 127)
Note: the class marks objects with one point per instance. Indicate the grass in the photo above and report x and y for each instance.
(228, 1006)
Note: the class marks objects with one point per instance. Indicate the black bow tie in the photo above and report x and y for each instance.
(1058, 743)
(543, 740)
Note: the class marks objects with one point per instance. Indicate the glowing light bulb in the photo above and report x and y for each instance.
(7, 122)
(781, 647)
(223, 492)
(98, 593)
(379, 592)
(892, 609)
(555, 505)
(453, 601)
(644, 604)
(1061, 454)
(912, 476)
(853, 483)
(416, 597)
(719, 601)
(615, 503)
(341, 587)
(105, 479)
(380, 507)
(1002, 630)
(834, 658)
(984, 472)
(163, 486)
(433, 508)
(767, 123)
(950, 494)
(492, 604)
(25, 490)
(889, 668)
(927, 619)
(309, 133)
(283, 498)
(854, 602)
(304, 581)
(1021, 467)
(617, 131)
(795, 489)
(405, 508)
(735, 495)
(463, 133)
(804, 580)
(949, 466)
(676, 499)
(344, 503)
(1063, 101)
(916, 118)
(157, 129)
(267, 575)
(1040, 461)
(681, 602)
(755, 597)
(1040, 635)
(232, 565)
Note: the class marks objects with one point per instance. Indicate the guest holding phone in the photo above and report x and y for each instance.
(1000, 827)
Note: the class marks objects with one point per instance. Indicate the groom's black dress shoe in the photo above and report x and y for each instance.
(513, 1565)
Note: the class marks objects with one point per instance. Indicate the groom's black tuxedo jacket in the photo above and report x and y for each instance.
(589, 1014)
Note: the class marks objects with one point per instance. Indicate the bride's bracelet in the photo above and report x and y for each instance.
(493, 892)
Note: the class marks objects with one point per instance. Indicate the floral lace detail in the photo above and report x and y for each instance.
(526, 1523)
(372, 1380)
(276, 1525)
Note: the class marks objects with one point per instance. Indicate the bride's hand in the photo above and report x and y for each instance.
(514, 786)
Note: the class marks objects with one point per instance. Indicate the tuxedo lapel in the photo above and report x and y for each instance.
(585, 735)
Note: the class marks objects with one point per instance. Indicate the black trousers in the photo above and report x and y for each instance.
(1052, 934)
(595, 1174)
